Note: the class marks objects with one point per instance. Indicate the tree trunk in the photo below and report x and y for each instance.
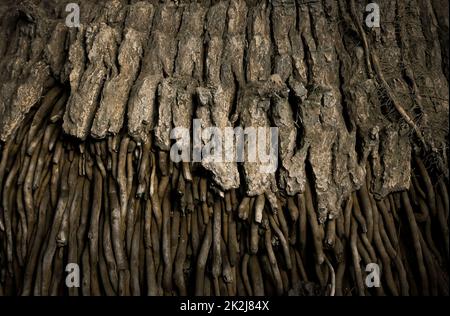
(87, 169)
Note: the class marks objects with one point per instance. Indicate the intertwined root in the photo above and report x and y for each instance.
(138, 224)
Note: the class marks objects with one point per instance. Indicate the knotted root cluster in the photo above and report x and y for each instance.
(138, 224)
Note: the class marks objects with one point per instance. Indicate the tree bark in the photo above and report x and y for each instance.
(86, 174)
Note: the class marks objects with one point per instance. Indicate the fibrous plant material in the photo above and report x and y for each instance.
(87, 174)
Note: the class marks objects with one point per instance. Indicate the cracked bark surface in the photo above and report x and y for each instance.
(357, 110)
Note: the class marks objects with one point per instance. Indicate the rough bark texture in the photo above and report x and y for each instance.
(85, 121)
